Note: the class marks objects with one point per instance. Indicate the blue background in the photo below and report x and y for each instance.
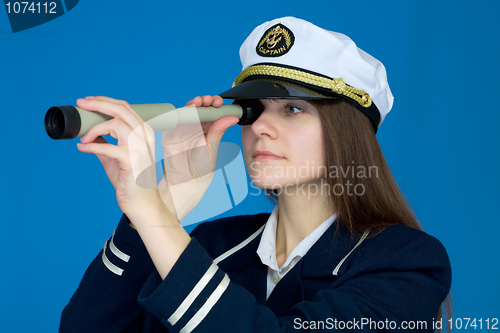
(441, 140)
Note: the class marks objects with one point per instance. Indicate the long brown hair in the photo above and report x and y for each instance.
(353, 151)
(351, 146)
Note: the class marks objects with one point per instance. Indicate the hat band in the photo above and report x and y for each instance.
(335, 85)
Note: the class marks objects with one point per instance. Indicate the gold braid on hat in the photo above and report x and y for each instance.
(336, 85)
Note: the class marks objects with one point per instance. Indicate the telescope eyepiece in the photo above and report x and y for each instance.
(251, 108)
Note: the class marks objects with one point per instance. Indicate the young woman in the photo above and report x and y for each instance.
(341, 250)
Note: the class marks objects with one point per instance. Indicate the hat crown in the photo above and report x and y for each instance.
(317, 50)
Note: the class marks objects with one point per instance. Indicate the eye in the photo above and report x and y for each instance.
(291, 109)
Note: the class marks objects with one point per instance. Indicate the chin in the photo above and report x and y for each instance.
(277, 184)
(266, 184)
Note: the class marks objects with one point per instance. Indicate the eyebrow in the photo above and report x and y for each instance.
(287, 100)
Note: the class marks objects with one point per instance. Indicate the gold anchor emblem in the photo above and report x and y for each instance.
(273, 40)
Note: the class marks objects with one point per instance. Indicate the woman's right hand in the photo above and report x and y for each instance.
(190, 153)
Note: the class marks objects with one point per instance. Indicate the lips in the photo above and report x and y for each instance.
(265, 154)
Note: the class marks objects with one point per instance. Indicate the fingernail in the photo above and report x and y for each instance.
(90, 97)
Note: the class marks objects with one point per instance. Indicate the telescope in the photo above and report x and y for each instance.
(68, 122)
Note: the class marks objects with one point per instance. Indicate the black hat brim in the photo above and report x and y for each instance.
(271, 88)
(266, 88)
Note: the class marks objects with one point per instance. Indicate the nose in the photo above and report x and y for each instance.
(265, 125)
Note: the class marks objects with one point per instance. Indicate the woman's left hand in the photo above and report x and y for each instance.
(133, 153)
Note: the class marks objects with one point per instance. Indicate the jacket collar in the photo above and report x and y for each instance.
(267, 245)
(321, 259)
(245, 268)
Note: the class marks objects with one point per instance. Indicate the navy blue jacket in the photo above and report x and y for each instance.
(395, 279)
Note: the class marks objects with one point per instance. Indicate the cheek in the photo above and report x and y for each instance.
(308, 160)
(304, 149)
(246, 136)
(308, 145)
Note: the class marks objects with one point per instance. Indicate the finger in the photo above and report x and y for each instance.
(114, 127)
(115, 110)
(128, 161)
(108, 99)
(207, 100)
(145, 132)
(118, 101)
(137, 157)
(133, 139)
(103, 159)
(197, 101)
(105, 150)
(218, 101)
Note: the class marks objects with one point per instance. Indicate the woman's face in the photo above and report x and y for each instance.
(284, 146)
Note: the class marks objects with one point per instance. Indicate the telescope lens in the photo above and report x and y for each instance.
(54, 123)
(57, 123)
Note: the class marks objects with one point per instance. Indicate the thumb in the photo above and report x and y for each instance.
(103, 159)
(215, 133)
(219, 127)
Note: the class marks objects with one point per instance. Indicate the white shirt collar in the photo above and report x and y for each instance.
(267, 245)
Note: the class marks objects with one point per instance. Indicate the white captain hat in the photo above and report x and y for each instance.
(292, 58)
